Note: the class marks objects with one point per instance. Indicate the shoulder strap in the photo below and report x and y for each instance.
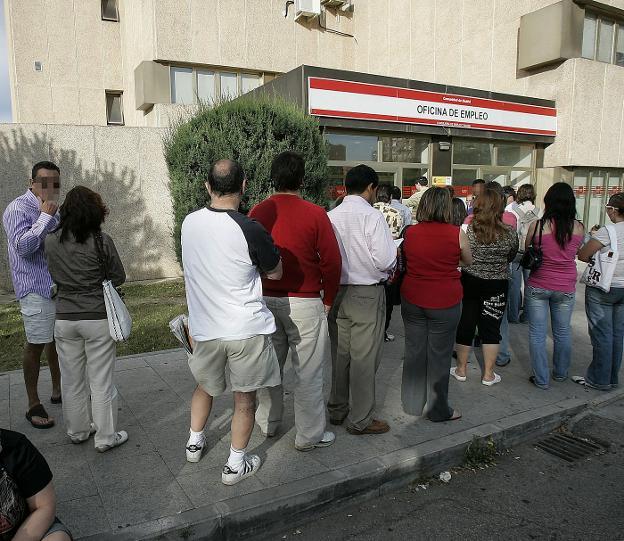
(99, 247)
(541, 228)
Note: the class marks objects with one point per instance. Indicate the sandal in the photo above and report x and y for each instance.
(56, 399)
(39, 411)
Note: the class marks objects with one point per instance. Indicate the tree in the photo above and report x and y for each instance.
(251, 130)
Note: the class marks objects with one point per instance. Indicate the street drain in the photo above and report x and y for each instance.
(569, 448)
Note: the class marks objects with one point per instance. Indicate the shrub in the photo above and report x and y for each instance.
(251, 130)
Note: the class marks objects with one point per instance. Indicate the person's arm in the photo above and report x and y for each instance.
(515, 244)
(465, 258)
(586, 251)
(262, 250)
(42, 508)
(276, 273)
(381, 244)
(27, 238)
(114, 266)
(330, 261)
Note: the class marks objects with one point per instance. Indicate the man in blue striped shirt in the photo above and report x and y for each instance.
(27, 220)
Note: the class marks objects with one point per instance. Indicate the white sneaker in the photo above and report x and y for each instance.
(77, 440)
(497, 379)
(456, 375)
(328, 439)
(194, 451)
(121, 437)
(389, 337)
(251, 464)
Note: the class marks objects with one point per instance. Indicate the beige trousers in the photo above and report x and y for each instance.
(87, 359)
(356, 329)
(301, 329)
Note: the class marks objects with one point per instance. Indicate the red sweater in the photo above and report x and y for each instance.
(306, 241)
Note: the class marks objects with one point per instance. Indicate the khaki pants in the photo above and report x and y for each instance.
(301, 329)
(356, 330)
(87, 360)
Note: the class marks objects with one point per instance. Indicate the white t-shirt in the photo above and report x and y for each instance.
(602, 236)
(223, 253)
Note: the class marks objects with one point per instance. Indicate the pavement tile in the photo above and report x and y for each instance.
(5, 383)
(84, 516)
(72, 475)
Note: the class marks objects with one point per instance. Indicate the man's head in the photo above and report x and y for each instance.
(421, 184)
(510, 194)
(287, 171)
(45, 181)
(384, 193)
(362, 180)
(477, 186)
(526, 192)
(396, 193)
(226, 177)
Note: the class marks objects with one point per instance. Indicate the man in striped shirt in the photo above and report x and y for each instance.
(27, 220)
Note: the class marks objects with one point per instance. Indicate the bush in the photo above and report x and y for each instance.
(252, 131)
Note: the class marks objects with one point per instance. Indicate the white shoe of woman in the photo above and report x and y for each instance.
(497, 379)
(456, 375)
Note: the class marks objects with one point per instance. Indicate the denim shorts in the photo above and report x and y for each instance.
(38, 314)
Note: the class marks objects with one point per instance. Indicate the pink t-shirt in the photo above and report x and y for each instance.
(508, 218)
(558, 269)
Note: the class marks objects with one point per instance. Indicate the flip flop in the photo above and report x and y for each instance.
(56, 400)
(39, 411)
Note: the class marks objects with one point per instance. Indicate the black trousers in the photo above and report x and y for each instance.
(483, 307)
(429, 340)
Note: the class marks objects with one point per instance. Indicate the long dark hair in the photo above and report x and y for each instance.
(487, 222)
(560, 211)
(82, 214)
(459, 211)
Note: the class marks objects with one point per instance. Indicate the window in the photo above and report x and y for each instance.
(114, 108)
(191, 85)
(109, 10)
(182, 85)
(352, 147)
(603, 39)
(472, 153)
(592, 189)
(404, 149)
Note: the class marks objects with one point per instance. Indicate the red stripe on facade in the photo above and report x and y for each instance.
(428, 121)
(424, 95)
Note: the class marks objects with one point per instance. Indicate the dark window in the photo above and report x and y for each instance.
(109, 10)
(114, 108)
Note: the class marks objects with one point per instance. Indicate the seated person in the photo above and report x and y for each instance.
(27, 497)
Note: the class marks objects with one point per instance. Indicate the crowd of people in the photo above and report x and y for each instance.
(292, 278)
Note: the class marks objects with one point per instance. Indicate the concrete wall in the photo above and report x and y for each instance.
(125, 165)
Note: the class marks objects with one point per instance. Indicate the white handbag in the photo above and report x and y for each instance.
(119, 319)
(600, 269)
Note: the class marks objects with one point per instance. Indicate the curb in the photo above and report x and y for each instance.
(261, 511)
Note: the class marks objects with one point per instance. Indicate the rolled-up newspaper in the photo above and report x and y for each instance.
(179, 328)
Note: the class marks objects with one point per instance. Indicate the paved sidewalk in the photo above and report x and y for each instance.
(147, 483)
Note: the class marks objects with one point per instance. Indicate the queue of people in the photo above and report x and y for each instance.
(293, 279)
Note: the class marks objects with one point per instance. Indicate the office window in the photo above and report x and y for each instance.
(404, 149)
(249, 81)
(109, 10)
(472, 153)
(182, 90)
(603, 39)
(229, 84)
(514, 155)
(206, 86)
(114, 108)
(352, 147)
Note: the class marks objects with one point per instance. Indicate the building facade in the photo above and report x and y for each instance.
(140, 62)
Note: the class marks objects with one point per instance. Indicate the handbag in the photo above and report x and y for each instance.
(533, 256)
(601, 266)
(119, 319)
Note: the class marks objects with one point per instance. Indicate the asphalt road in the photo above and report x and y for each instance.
(529, 494)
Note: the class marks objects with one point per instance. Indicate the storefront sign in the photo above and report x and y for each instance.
(442, 181)
(362, 101)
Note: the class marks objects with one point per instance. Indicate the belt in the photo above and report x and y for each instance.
(365, 285)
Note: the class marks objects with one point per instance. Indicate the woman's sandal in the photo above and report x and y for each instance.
(56, 399)
(39, 411)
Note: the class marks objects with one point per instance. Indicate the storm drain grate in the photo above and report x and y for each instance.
(568, 447)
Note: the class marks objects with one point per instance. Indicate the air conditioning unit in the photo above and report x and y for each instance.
(307, 8)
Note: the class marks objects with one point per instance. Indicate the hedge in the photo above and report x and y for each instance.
(251, 130)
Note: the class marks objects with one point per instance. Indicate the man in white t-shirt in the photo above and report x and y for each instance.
(223, 255)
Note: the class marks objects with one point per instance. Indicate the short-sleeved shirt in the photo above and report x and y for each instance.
(24, 468)
(223, 254)
(491, 261)
(393, 218)
(602, 236)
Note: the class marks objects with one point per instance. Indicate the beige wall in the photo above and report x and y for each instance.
(125, 165)
(469, 43)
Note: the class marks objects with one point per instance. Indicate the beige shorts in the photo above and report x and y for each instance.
(251, 364)
(38, 315)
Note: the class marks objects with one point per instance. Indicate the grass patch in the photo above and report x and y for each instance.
(151, 304)
(480, 453)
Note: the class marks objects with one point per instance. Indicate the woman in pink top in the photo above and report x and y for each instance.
(552, 287)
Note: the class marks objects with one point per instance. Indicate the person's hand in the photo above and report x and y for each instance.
(327, 309)
(49, 207)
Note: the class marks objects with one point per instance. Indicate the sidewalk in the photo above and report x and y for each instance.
(146, 488)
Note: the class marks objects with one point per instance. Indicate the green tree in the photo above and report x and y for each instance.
(251, 130)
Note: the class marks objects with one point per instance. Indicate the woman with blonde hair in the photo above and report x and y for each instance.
(493, 245)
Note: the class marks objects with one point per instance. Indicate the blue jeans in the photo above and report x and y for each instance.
(504, 355)
(514, 298)
(605, 317)
(538, 302)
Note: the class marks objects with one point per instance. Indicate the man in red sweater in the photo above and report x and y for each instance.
(312, 263)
